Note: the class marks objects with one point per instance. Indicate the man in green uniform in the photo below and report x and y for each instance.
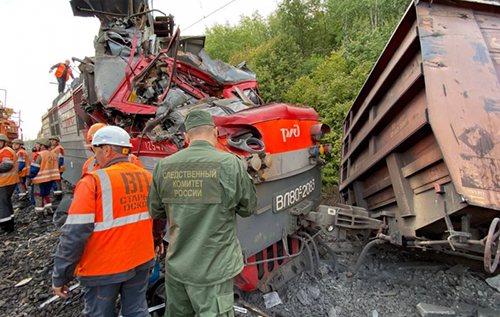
(199, 190)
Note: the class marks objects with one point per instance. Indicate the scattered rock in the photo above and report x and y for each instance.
(494, 282)
(425, 266)
(464, 310)
(303, 298)
(458, 269)
(429, 310)
(23, 282)
(313, 292)
(487, 312)
(271, 299)
(332, 312)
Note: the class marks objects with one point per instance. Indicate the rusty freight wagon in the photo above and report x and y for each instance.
(421, 143)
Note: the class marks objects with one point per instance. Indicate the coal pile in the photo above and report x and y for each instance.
(26, 260)
(389, 283)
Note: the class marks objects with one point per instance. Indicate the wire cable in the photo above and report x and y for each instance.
(210, 14)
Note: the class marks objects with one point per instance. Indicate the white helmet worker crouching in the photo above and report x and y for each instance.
(112, 135)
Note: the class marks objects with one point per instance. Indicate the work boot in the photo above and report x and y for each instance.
(22, 203)
(7, 226)
(41, 218)
(39, 214)
(56, 200)
(47, 210)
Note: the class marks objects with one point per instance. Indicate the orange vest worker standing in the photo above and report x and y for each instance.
(59, 151)
(8, 180)
(107, 239)
(43, 172)
(24, 163)
(62, 74)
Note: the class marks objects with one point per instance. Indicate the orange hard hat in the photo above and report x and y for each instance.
(93, 129)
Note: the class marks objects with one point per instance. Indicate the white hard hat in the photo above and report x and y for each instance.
(111, 135)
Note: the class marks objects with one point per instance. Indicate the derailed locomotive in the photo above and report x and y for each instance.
(144, 78)
(418, 157)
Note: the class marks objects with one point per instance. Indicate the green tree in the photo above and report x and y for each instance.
(278, 63)
(222, 41)
(312, 52)
(304, 21)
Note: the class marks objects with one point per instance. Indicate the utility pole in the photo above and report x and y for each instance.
(5, 100)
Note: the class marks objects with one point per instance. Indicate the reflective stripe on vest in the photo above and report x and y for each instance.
(132, 159)
(59, 155)
(92, 165)
(27, 162)
(11, 176)
(89, 165)
(80, 219)
(48, 168)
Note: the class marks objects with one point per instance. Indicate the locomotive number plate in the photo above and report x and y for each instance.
(291, 196)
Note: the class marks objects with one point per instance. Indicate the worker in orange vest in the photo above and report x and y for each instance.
(35, 149)
(59, 151)
(8, 180)
(62, 74)
(24, 163)
(91, 164)
(43, 172)
(107, 239)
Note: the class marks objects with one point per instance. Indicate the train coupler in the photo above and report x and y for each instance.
(335, 219)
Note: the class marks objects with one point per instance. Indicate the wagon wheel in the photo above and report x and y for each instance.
(156, 296)
(492, 247)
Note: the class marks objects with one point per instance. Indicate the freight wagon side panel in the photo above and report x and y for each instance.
(464, 102)
(422, 136)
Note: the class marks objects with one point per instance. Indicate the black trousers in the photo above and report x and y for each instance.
(62, 83)
(6, 209)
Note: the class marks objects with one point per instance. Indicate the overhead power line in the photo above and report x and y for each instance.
(210, 14)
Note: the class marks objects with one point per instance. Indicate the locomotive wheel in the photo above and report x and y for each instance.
(492, 247)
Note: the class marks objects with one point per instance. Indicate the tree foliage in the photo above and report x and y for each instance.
(312, 52)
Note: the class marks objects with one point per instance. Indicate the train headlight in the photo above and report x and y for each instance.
(268, 160)
(318, 131)
(255, 162)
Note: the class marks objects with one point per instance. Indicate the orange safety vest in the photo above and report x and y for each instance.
(114, 199)
(60, 70)
(9, 177)
(47, 162)
(22, 156)
(59, 150)
(134, 160)
(91, 164)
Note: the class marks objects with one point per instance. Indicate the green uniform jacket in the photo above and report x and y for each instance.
(199, 190)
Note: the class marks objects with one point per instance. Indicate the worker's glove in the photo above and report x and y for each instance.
(29, 181)
(159, 250)
(159, 230)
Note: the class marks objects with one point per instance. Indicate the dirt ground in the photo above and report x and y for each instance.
(389, 283)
